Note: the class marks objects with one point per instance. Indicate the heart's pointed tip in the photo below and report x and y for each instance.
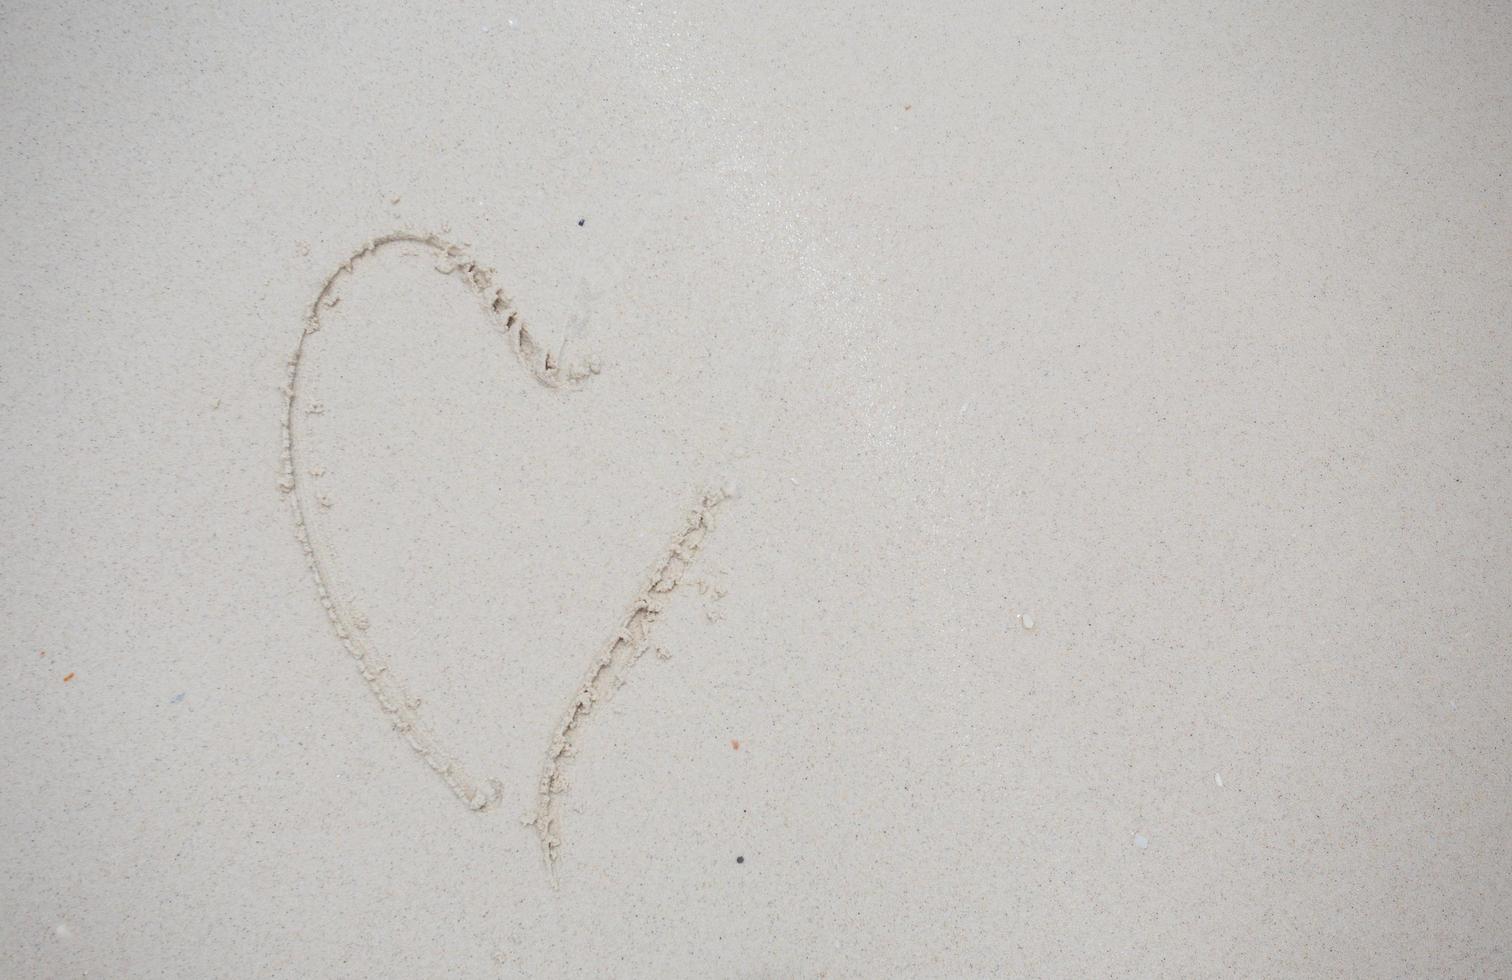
(488, 797)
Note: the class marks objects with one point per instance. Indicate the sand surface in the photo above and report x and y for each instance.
(1117, 400)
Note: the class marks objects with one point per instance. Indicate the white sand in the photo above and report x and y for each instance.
(1120, 400)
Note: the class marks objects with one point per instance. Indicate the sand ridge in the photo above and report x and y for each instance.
(606, 671)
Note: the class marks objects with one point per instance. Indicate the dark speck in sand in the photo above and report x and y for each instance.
(740, 860)
(582, 222)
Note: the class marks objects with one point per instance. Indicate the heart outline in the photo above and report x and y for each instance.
(620, 652)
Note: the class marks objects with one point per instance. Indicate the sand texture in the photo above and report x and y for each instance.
(714, 490)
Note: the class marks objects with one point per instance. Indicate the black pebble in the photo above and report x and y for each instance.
(582, 222)
(740, 860)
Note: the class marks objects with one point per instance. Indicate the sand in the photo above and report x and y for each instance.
(986, 492)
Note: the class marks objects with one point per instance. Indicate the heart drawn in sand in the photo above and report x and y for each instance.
(605, 669)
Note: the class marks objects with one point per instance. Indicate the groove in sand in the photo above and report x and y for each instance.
(606, 670)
